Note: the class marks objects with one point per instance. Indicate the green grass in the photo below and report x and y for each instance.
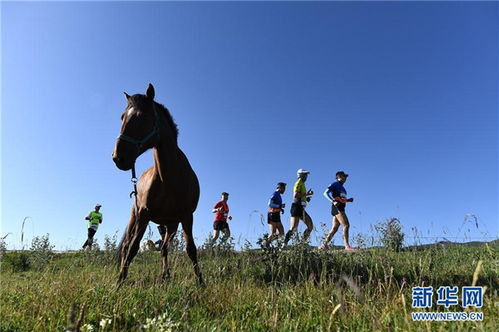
(300, 289)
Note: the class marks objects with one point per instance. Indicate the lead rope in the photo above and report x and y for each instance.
(134, 181)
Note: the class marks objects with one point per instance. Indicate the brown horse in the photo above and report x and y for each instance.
(168, 192)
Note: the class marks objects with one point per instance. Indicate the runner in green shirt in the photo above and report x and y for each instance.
(94, 220)
(300, 199)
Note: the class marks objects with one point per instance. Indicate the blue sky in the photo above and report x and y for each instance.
(402, 96)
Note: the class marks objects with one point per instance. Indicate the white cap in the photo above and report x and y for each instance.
(302, 171)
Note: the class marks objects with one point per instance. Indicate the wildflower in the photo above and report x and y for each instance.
(105, 322)
(87, 328)
(160, 323)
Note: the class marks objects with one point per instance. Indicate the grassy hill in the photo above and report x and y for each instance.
(297, 289)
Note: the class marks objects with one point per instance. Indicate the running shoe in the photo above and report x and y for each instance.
(349, 248)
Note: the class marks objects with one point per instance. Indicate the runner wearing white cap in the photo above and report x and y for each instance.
(300, 199)
(94, 220)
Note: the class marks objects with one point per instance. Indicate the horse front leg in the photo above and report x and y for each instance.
(131, 243)
(191, 247)
(171, 230)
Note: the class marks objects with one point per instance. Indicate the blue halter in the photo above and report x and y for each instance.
(139, 143)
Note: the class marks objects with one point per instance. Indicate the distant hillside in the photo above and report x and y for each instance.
(448, 244)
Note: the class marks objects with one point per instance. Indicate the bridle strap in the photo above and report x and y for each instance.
(139, 144)
(134, 182)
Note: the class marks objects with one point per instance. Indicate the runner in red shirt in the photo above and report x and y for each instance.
(221, 210)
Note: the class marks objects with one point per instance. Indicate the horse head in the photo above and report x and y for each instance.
(141, 128)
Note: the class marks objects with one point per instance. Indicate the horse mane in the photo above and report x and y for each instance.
(169, 120)
(141, 102)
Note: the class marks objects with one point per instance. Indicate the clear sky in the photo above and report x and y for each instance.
(402, 96)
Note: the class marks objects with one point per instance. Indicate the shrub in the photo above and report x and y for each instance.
(208, 242)
(226, 244)
(95, 245)
(41, 251)
(391, 235)
(3, 247)
(247, 246)
(110, 242)
(41, 244)
(298, 262)
(360, 241)
(177, 243)
(17, 261)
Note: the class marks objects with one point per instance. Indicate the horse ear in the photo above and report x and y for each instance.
(127, 96)
(150, 92)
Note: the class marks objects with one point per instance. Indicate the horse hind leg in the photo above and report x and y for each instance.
(191, 247)
(171, 230)
(131, 243)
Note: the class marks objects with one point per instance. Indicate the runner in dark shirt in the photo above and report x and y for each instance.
(276, 207)
(337, 195)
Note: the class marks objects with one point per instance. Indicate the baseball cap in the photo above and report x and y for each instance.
(341, 173)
